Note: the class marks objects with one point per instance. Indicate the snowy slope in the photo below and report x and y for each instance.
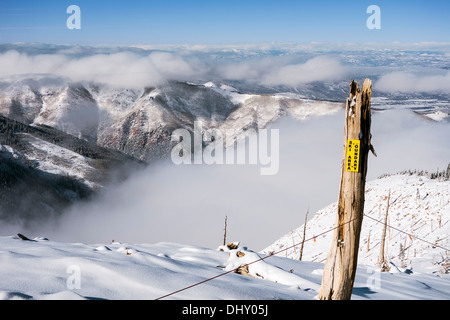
(43, 171)
(67, 107)
(70, 109)
(57, 160)
(419, 206)
(43, 269)
(139, 122)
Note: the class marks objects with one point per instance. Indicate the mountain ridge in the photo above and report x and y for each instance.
(54, 169)
(139, 122)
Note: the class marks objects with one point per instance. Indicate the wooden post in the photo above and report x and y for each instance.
(225, 231)
(340, 267)
(381, 260)
(304, 233)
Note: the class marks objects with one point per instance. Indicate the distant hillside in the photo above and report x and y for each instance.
(419, 210)
(139, 122)
(43, 170)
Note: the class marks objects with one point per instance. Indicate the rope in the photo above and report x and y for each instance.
(260, 259)
(297, 244)
(410, 235)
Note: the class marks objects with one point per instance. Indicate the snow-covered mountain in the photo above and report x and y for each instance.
(52, 153)
(69, 108)
(67, 136)
(139, 122)
(418, 219)
(43, 170)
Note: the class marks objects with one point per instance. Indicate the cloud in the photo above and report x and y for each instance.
(15, 63)
(411, 82)
(117, 69)
(284, 70)
(129, 69)
(403, 140)
(188, 203)
(268, 64)
(320, 68)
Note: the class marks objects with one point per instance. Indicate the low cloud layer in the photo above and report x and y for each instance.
(118, 69)
(188, 203)
(282, 65)
(320, 68)
(411, 82)
(126, 69)
(275, 71)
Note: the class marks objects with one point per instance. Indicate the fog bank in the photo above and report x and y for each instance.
(188, 203)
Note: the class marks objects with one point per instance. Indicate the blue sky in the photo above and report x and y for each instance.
(222, 22)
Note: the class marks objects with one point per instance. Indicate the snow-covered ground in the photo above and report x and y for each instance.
(419, 220)
(44, 269)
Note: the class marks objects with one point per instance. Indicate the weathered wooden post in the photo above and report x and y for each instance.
(381, 259)
(304, 235)
(225, 231)
(340, 267)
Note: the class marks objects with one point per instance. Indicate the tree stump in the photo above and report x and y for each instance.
(340, 267)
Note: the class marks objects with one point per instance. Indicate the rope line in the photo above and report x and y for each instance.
(411, 236)
(297, 244)
(260, 259)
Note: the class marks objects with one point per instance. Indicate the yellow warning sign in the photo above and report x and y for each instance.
(353, 147)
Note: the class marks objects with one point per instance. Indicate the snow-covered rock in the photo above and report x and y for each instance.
(258, 268)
